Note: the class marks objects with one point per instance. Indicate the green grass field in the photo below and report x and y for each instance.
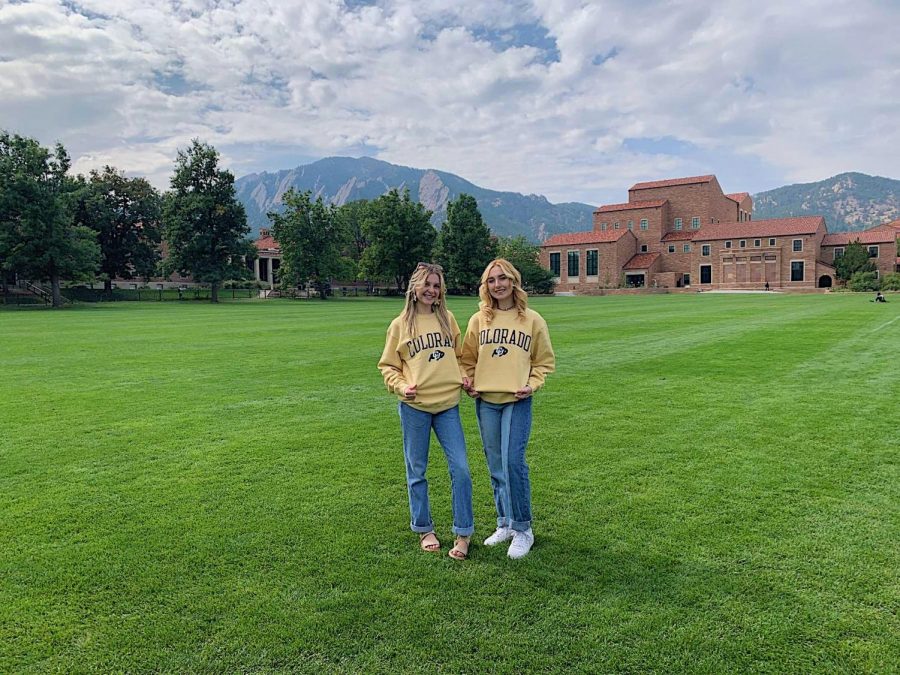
(186, 487)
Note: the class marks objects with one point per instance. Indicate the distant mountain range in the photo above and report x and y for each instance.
(849, 201)
(343, 179)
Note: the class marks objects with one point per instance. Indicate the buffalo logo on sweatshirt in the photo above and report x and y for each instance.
(500, 351)
(428, 341)
(436, 355)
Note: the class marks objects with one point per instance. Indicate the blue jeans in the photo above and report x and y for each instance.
(417, 426)
(505, 429)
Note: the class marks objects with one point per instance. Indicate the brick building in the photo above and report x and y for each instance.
(265, 266)
(686, 232)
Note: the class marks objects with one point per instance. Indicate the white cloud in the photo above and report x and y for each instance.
(572, 99)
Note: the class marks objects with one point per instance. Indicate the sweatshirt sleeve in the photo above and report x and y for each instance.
(457, 345)
(391, 365)
(470, 348)
(543, 360)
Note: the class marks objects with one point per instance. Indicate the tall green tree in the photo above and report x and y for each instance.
(526, 257)
(126, 214)
(349, 218)
(38, 236)
(205, 224)
(309, 238)
(855, 259)
(465, 245)
(400, 235)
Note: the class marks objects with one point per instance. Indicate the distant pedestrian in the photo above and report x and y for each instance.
(767, 285)
(420, 365)
(879, 297)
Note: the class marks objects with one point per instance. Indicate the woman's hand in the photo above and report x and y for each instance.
(410, 392)
(469, 387)
(524, 392)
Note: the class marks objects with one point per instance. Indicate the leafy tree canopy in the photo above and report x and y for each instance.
(205, 224)
(38, 236)
(126, 214)
(855, 259)
(526, 257)
(464, 245)
(309, 237)
(400, 235)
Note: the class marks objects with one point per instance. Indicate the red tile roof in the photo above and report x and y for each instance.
(671, 182)
(738, 196)
(589, 237)
(777, 227)
(651, 204)
(679, 235)
(874, 235)
(641, 261)
(266, 244)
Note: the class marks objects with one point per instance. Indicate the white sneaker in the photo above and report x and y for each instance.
(521, 544)
(500, 535)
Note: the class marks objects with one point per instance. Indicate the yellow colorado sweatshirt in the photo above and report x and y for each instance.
(429, 359)
(506, 354)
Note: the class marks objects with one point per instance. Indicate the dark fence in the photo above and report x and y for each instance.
(84, 294)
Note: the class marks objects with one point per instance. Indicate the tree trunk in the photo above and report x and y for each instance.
(107, 286)
(214, 292)
(54, 287)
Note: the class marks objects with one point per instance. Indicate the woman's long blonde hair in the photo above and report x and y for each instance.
(417, 280)
(520, 297)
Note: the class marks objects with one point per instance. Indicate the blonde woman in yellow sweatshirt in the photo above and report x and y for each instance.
(507, 353)
(420, 365)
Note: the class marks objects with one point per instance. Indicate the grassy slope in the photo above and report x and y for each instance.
(188, 487)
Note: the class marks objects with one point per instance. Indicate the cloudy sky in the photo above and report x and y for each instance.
(572, 99)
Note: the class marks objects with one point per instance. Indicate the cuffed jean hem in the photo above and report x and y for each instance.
(518, 526)
(417, 426)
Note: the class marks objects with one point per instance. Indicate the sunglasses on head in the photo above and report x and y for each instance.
(433, 266)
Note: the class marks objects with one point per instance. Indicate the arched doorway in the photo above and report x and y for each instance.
(824, 281)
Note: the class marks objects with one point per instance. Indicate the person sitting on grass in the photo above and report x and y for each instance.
(420, 365)
(879, 297)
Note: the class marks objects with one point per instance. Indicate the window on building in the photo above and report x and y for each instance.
(727, 244)
(591, 262)
(554, 264)
(573, 264)
(772, 241)
(603, 226)
(742, 243)
(796, 270)
(644, 223)
(630, 225)
(704, 250)
(695, 223)
(686, 248)
(838, 252)
(671, 248)
(685, 279)
(705, 274)
(798, 245)
(643, 248)
(757, 243)
(679, 223)
(616, 225)
(873, 251)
